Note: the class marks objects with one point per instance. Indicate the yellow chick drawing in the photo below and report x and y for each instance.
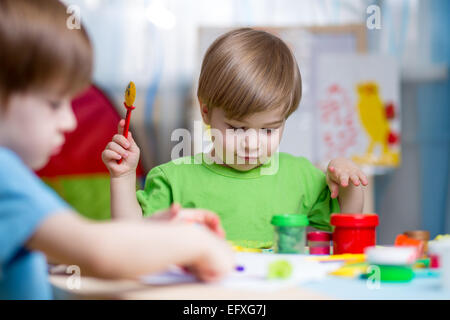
(372, 114)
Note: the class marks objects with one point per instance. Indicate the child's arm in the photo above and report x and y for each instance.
(123, 176)
(340, 172)
(124, 203)
(127, 249)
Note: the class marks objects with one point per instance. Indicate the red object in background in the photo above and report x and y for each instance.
(353, 232)
(390, 111)
(82, 153)
(393, 138)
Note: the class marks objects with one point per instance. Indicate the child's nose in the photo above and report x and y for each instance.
(69, 121)
(251, 142)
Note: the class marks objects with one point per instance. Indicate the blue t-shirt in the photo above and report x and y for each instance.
(25, 202)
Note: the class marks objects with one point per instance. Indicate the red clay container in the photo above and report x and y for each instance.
(319, 242)
(353, 232)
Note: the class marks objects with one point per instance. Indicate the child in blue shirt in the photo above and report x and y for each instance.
(43, 64)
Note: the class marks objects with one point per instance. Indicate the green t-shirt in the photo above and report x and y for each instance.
(244, 201)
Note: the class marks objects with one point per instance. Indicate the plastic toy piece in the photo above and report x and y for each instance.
(391, 273)
(434, 261)
(348, 257)
(351, 270)
(392, 255)
(442, 237)
(404, 241)
(242, 249)
(422, 235)
(280, 269)
(435, 251)
(422, 263)
(130, 95)
(239, 268)
(426, 273)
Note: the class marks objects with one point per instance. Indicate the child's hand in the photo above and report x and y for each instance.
(121, 148)
(200, 216)
(340, 171)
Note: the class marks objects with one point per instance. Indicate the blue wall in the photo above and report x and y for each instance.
(433, 109)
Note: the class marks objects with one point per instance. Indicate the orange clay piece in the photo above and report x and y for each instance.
(401, 240)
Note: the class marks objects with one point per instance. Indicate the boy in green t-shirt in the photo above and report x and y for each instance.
(249, 85)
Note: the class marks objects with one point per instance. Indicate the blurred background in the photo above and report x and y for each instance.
(391, 54)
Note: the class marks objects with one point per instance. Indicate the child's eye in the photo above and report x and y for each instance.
(54, 104)
(236, 128)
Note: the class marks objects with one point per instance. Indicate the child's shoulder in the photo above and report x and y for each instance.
(12, 166)
(6, 154)
(21, 187)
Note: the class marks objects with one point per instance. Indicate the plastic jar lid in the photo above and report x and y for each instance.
(391, 255)
(290, 220)
(319, 236)
(418, 234)
(354, 220)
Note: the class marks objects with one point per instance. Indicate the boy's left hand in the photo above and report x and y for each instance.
(340, 171)
(200, 216)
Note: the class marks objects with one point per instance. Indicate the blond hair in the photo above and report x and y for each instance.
(246, 71)
(38, 51)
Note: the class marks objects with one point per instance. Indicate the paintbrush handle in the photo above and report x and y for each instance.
(127, 125)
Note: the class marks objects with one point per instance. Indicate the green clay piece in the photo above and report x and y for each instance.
(280, 269)
(388, 273)
(289, 239)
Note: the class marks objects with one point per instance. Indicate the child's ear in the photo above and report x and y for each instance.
(205, 112)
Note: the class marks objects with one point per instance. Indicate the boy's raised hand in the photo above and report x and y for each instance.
(199, 216)
(121, 148)
(341, 172)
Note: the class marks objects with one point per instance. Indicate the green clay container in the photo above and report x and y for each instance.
(290, 233)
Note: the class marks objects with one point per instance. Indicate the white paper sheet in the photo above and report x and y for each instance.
(254, 275)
